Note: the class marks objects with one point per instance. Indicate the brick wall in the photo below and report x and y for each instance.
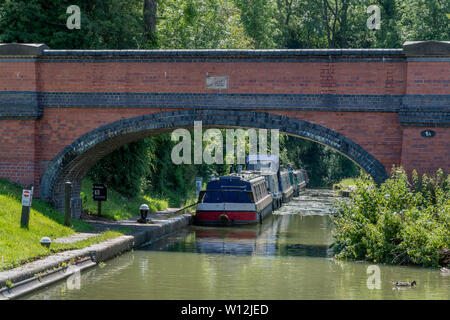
(249, 77)
(381, 103)
(426, 154)
(17, 150)
(18, 76)
(429, 77)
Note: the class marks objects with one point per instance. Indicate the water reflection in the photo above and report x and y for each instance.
(279, 235)
(287, 257)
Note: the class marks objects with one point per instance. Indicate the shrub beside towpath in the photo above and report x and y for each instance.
(399, 222)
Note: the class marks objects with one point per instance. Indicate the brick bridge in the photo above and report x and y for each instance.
(63, 110)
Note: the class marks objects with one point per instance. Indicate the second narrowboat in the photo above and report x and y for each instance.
(286, 188)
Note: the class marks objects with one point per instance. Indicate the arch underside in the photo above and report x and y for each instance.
(76, 159)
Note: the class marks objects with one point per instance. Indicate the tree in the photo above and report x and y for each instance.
(124, 169)
(257, 18)
(324, 165)
(424, 20)
(112, 24)
(335, 20)
(201, 24)
(149, 13)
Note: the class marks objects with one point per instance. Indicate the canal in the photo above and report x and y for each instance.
(287, 257)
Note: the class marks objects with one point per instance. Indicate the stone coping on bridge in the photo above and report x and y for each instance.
(410, 48)
(225, 52)
(426, 48)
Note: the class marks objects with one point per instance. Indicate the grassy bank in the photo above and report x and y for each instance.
(118, 207)
(399, 222)
(19, 245)
(348, 182)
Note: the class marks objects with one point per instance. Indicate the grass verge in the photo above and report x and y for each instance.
(118, 207)
(348, 182)
(21, 245)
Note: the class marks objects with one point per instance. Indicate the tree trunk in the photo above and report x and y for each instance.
(343, 29)
(150, 8)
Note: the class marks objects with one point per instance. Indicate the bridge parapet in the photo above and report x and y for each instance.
(426, 48)
(380, 99)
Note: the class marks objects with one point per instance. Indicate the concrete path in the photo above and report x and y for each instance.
(101, 225)
(45, 271)
(75, 237)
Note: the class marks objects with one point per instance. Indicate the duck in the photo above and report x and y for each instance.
(445, 270)
(405, 284)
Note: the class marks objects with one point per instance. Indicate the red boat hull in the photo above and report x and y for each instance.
(225, 217)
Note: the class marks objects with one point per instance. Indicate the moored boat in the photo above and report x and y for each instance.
(274, 189)
(298, 181)
(267, 166)
(286, 188)
(234, 199)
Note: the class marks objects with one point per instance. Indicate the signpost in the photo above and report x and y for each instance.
(99, 193)
(27, 198)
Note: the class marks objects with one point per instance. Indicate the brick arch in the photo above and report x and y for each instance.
(75, 160)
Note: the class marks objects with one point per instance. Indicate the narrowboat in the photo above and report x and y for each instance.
(267, 166)
(303, 171)
(286, 188)
(272, 182)
(301, 176)
(263, 163)
(234, 199)
(297, 180)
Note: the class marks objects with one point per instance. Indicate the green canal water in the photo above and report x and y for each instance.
(287, 257)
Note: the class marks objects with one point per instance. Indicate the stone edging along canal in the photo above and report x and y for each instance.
(40, 273)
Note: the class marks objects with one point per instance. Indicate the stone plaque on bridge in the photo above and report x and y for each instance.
(216, 82)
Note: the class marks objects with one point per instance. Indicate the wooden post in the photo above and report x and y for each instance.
(25, 217)
(99, 208)
(68, 209)
(26, 207)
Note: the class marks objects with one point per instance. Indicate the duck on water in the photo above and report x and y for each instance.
(405, 284)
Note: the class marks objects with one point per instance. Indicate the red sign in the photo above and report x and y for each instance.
(26, 198)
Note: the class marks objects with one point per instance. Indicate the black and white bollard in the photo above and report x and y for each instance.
(144, 211)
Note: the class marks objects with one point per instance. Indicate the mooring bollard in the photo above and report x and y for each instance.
(68, 209)
(27, 198)
(144, 211)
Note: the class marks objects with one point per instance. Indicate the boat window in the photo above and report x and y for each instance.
(213, 197)
(236, 196)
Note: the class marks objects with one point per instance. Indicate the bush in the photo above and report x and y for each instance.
(124, 169)
(399, 222)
